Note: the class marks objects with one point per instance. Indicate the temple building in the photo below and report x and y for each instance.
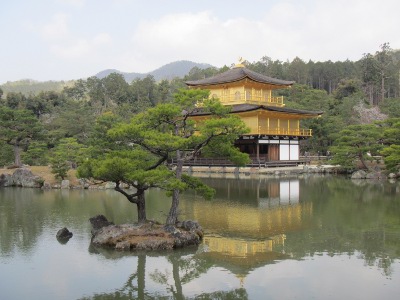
(275, 130)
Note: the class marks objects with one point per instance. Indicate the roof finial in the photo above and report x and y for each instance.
(240, 63)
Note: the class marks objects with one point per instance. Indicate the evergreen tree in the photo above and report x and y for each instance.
(18, 127)
(142, 148)
(66, 155)
(167, 131)
(356, 143)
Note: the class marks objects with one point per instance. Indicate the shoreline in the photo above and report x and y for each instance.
(263, 170)
(41, 177)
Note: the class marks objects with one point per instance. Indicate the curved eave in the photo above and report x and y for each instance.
(292, 111)
(192, 84)
(197, 83)
(240, 108)
(236, 75)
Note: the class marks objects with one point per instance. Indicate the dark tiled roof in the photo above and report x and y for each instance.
(251, 107)
(237, 74)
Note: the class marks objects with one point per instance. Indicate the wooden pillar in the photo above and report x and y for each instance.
(279, 126)
(258, 151)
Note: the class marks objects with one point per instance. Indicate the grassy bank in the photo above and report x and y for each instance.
(45, 173)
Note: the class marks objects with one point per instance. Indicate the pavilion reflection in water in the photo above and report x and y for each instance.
(244, 236)
(284, 192)
(240, 247)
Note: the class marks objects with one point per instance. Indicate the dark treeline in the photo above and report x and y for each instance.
(348, 92)
(376, 74)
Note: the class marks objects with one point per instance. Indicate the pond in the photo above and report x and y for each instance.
(315, 237)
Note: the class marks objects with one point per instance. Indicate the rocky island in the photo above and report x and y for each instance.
(146, 236)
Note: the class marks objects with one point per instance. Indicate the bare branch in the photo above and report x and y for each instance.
(131, 197)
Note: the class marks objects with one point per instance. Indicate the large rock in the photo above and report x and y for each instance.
(6, 180)
(65, 184)
(21, 177)
(190, 225)
(110, 185)
(360, 174)
(374, 175)
(46, 186)
(84, 183)
(98, 222)
(64, 234)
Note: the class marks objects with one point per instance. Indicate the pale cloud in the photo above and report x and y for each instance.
(101, 39)
(327, 31)
(76, 3)
(78, 49)
(82, 48)
(67, 44)
(73, 37)
(201, 37)
(334, 31)
(57, 28)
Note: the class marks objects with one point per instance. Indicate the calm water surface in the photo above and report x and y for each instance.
(309, 238)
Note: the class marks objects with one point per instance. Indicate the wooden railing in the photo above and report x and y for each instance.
(280, 131)
(251, 99)
(222, 162)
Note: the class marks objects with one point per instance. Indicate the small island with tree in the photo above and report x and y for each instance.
(137, 154)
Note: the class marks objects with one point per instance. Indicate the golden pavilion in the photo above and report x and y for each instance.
(274, 129)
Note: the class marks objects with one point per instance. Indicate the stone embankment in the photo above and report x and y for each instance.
(23, 177)
(374, 175)
(293, 170)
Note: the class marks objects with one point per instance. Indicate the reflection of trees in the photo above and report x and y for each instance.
(25, 214)
(375, 252)
(375, 247)
(134, 287)
(347, 217)
(237, 294)
(185, 267)
(350, 217)
(184, 270)
(18, 229)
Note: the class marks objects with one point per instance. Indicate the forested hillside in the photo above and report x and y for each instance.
(28, 86)
(350, 94)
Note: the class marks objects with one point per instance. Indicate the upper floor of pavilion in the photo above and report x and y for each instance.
(240, 85)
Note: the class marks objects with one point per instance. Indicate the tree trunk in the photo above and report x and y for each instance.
(139, 199)
(141, 276)
(178, 295)
(360, 156)
(141, 208)
(17, 155)
(173, 212)
(382, 86)
(371, 96)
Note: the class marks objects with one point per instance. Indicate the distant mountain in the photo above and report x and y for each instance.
(168, 71)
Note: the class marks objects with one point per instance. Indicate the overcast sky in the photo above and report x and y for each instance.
(72, 39)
